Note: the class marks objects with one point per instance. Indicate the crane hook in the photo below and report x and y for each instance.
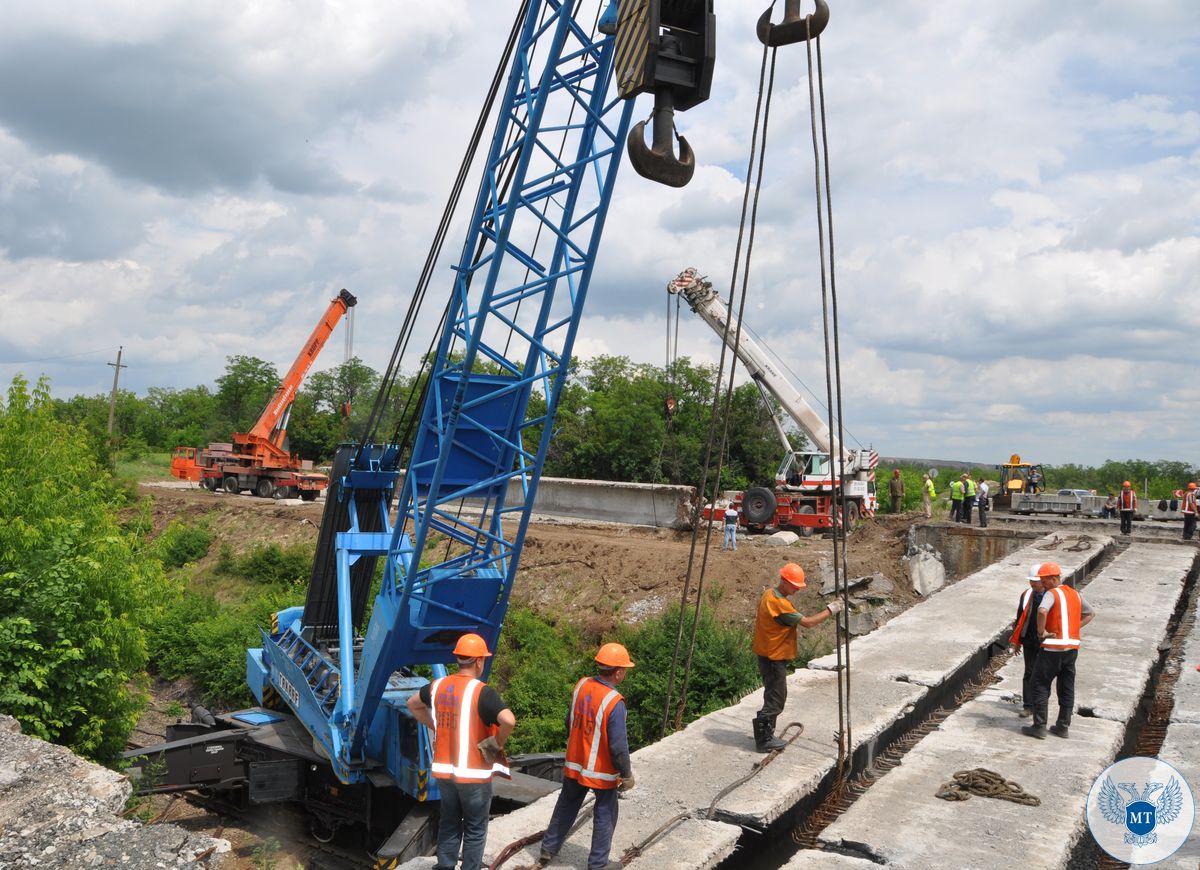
(793, 28)
(658, 161)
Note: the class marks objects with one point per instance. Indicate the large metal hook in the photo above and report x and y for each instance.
(793, 28)
(658, 161)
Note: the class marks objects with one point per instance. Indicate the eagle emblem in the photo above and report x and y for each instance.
(1139, 815)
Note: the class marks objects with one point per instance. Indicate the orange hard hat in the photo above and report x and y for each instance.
(613, 655)
(1127, 483)
(471, 646)
(794, 574)
(1192, 485)
(1050, 569)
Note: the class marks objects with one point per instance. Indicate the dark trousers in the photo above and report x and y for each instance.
(604, 820)
(463, 823)
(1189, 526)
(1030, 650)
(896, 501)
(968, 503)
(983, 512)
(1053, 667)
(1126, 522)
(955, 510)
(774, 677)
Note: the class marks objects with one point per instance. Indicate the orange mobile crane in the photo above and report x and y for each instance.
(259, 460)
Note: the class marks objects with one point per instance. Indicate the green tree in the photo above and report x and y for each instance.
(75, 589)
(244, 389)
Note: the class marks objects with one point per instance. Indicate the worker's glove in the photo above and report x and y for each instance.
(1012, 649)
(627, 783)
(491, 749)
(835, 607)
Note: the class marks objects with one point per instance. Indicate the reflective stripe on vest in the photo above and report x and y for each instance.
(1062, 620)
(1015, 638)
(456, 753)
(1189, 502)
(1128, 499)
(584, 756)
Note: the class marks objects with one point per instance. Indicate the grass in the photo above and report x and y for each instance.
(145, 466)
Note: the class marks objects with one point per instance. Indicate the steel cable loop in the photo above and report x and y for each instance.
(985, 783)
(757, 768)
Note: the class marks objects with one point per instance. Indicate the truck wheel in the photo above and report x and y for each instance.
(805, 531)
(265, 488)
(758, 504)
(210, 483)
(851, 510)
(308, 494)
(231, 484)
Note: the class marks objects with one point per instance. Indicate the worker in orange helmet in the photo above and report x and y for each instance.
(1126, 505)
(775, 629)
(1061, 614)
(470, 725)
(597, 759)
(1188, 507)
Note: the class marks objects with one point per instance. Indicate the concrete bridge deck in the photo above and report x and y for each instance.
(900, 673)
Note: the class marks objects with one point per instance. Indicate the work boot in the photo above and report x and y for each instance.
(544, 858)
(1026, 712)
(764, 735)
(614, 865)
(1038, 731)
(1060, 731)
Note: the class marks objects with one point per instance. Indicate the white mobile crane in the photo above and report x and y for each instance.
(805, 484)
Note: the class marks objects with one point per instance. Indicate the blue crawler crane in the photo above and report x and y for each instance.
(332, 731)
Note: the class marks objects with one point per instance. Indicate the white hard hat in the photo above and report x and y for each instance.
(1033, 571)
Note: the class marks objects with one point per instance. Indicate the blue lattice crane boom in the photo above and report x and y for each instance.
(331, 689)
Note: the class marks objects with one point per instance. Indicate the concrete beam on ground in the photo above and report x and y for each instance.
(1187, 687)
(815, 859)
(930, 643)
(985, 733)
(1181, 750)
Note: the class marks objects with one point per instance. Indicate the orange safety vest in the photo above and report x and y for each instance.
(771, 639)
(1062, 619)
(1189, 502)
(458, 731)
(1128, 500)
(1015, 638)
(589, 761)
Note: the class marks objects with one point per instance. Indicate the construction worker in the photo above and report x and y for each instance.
(1126, 505)
(1061, 615)
(968, 499)
(896, 491)
(981, 502)
(775, 629)
(1025, 635)
(956, 500)
(470, 725)
(597, 759)
(1189, 512)
(928, 494)
(731, 525)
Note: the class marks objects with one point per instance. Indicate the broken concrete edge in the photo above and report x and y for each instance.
(57, 809)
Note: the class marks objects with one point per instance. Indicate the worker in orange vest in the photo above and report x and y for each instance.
(470, 725)
(1061, 615)
(1189, 512)
(597, 759)
(775, 628)
(1126, 505)
(1025, 636)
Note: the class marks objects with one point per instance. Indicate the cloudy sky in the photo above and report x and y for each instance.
(1016, 204)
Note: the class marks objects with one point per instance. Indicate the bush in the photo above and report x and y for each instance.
(179, 544)
(270, 563)
(73, 593)
(723, 670)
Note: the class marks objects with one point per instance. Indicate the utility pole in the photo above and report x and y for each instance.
(112, 402)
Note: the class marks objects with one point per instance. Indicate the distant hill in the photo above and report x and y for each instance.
(933, 463)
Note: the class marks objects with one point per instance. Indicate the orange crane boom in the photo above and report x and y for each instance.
(259, 460)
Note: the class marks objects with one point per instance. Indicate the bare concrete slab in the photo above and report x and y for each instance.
(1134, 597)
(1181, 750)
(930, 643)
(1187, 688)
(815, 859)
(901, 823)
